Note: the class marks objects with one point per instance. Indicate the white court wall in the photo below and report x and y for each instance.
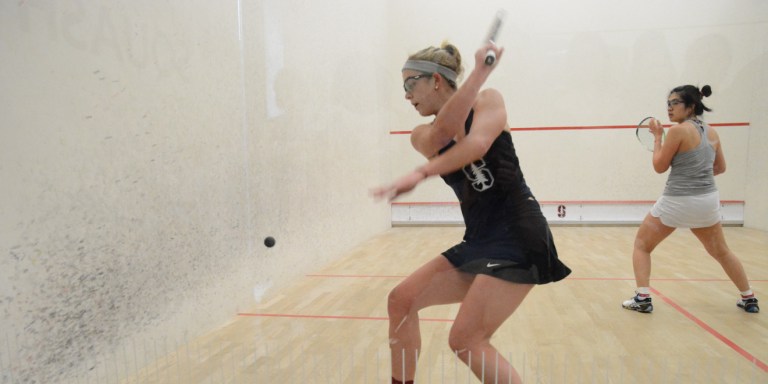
(603, 63)
(756, 213)
(146, 150)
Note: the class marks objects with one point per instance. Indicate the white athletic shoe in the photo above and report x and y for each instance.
(640, 305)
(749, 305)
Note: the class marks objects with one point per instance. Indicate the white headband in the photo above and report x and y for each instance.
(430, 67)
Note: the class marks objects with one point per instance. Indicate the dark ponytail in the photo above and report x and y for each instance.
(692, 96)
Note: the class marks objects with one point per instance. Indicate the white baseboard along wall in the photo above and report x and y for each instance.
(556, 212)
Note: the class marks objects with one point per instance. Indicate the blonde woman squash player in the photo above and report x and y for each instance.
(507, 246)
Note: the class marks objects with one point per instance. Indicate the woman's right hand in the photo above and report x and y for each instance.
(656, 128)
(483, 51)
(402, 185)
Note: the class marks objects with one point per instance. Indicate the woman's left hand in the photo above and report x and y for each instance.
(402, 185)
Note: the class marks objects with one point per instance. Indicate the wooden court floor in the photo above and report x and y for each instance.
(330, 326)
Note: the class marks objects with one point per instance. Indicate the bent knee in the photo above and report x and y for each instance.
(721, 254)
(716, 249)
(461, 341)
(398, 302)
(644, 245)
(456, 344)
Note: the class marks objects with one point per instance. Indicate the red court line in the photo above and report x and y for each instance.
(352, 276)
(590, 127)
(655, 279)
(728, 342)
(283, 315)
(752, 359)
(359, 276)
(633, 126)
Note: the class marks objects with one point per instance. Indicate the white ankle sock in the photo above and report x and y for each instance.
(643, 291)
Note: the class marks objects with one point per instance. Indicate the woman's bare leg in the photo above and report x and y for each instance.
(714, 242)
(436, 282)
(649, 235)
(487, 304)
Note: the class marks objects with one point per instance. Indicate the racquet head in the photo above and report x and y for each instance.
(644, 135)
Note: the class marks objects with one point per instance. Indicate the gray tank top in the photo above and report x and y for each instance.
(692, 173)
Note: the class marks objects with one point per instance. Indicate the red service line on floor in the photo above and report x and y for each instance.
(343, 276)
(752, 359)
(360, 276)
(728, 342)
(694, 279)
(283, 315)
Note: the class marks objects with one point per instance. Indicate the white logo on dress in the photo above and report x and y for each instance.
(479, 175)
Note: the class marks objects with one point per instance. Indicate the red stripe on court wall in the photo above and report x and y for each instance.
(752, 359)
(589, 127)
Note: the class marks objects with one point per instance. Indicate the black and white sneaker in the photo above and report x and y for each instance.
(637, 304)
(749, 305)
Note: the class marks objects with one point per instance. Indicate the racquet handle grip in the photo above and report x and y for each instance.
(490, 57)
